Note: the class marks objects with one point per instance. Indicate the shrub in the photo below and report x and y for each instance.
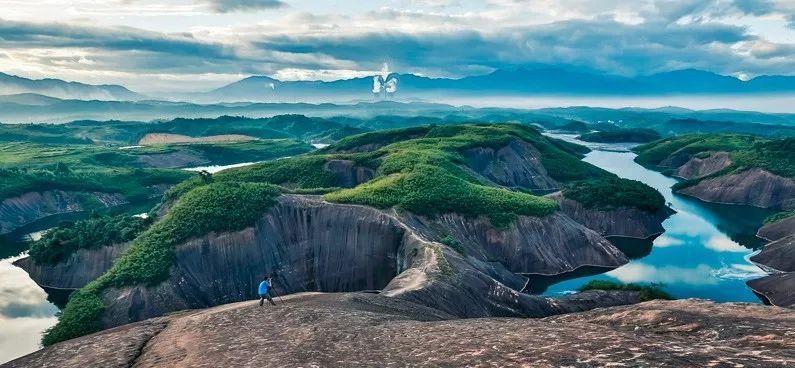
(94, 232)
(646, 291)
(615, 192)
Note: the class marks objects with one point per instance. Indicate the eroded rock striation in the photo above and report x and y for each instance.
(620, 222)
(755, 187)
(31, 206)
(514, 165)
(313, 245)
(777, 258)
(370, 330)
(77, 270)
(697, 167)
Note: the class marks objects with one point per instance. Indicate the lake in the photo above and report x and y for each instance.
(703, 252)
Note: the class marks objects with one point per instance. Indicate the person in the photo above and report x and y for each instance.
(264, 291)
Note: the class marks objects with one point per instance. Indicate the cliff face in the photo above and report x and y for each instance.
(515, 165)
(367, 330)
(29, 207)
(312, 245)
(777, 258)
(347, 174)
(619, 222)
(777, 289)
(777, 230)
(755, 187)
(79, 269)
(778, 255)
(700, 167)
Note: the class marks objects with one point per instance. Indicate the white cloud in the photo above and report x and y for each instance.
(433, 37)
(722, 243)
(641, 272)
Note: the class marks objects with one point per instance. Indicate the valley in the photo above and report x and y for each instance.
(417, 213)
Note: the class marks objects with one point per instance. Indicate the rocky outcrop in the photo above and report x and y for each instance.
(312, 245)
(369, 330)
(347, 174)
(700, 167)
(777, 289)
(80, 268)
(675, 160)
(172, 160)
(551, 245)
(754, 187)
(32, 206)
(516, 165)
(778, 256)
(620, 222)
(777, 230)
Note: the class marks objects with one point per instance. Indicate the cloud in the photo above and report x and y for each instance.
(223, 6)
(603, 44)
(641, 272)
(724, 244)
(436, 38)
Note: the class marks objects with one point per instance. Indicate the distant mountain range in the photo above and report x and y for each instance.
(11, 84)
(527, 81)
(520, 81)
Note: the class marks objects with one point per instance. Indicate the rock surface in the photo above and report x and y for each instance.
(778, 258)
(347, 174)
(777, 230)
(32, 206)
(754, 187)
(517, 165)
(620, 222)
(700, 167)
(82, 266)
(778, 255)
(312, 245)
(777, 289)
(369, 330)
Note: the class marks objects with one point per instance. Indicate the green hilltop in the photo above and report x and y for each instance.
(419, 169)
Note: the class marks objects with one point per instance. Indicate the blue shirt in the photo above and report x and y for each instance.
(263, 287)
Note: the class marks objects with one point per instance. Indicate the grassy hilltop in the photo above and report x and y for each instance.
(420, 169)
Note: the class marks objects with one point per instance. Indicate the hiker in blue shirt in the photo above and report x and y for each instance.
(264, 291)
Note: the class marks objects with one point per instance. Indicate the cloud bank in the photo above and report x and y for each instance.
(188, 45)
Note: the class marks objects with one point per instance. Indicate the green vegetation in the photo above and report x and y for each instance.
(610, 193)
(377, 140)
(622, 135)
(422, 170)
(745, 152)
(646, 291)
(453, 243)
(95, 232)
(116, 132)
(212, 207)
(301, 172)
(776, 217)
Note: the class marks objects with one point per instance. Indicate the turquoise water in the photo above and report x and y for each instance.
(703, 252)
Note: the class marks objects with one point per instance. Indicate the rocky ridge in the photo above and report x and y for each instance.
(777, 258)
(370, 330)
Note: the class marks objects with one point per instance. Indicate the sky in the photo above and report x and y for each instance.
(197, 45)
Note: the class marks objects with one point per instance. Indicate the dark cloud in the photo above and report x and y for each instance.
(224, 6)
(605, 44)
(55, 35)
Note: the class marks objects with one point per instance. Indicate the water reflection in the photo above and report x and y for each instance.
(703, 252)
(24, 312)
